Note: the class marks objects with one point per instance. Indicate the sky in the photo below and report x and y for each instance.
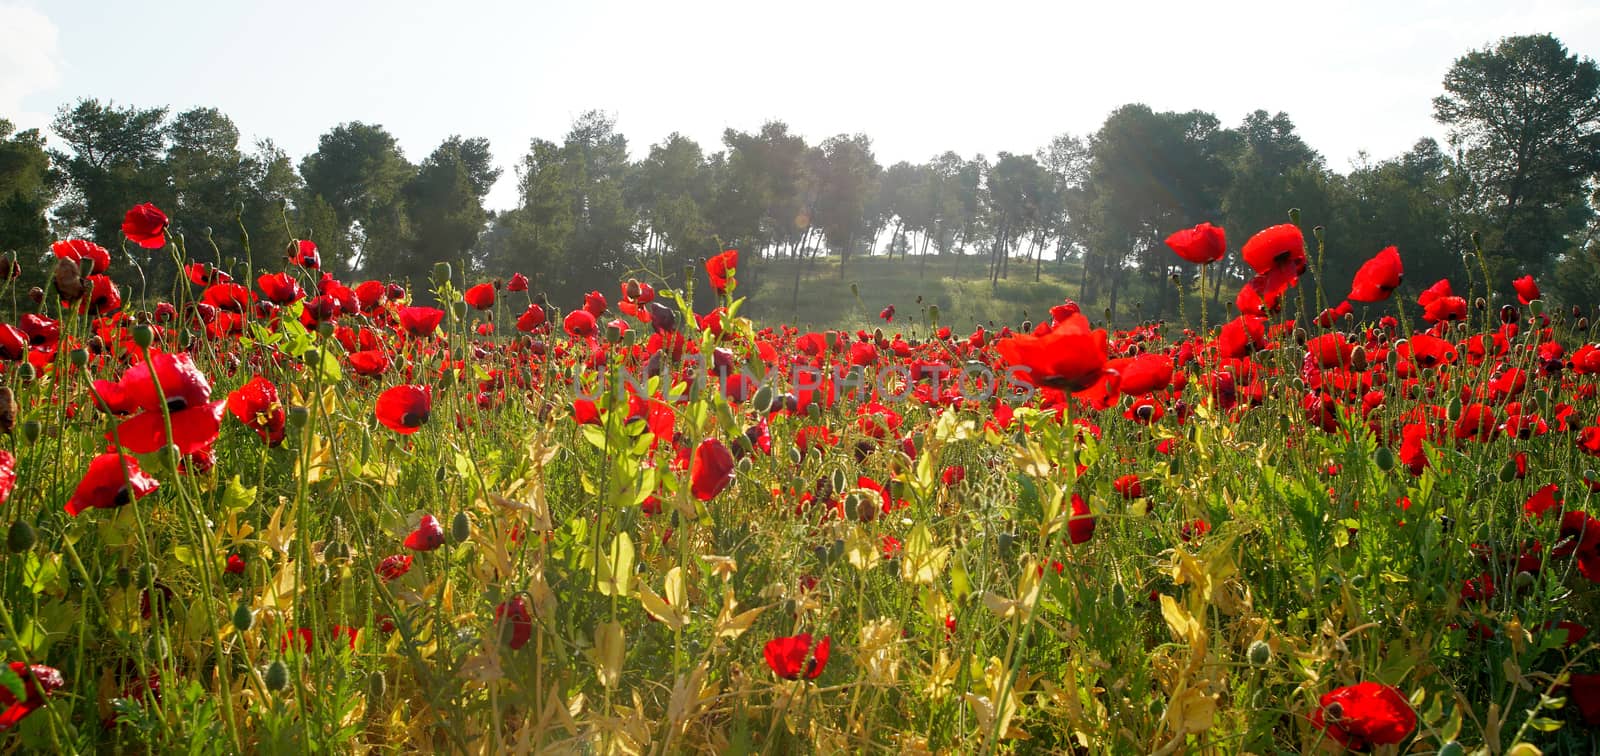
(918, 78)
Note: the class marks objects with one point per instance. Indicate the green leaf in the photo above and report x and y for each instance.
(237, 498)
(13, 683)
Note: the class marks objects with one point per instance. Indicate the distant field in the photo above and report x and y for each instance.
(959, 286)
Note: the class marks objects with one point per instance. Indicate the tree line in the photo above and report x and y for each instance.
(1516, 178)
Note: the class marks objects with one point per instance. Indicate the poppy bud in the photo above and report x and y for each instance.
(31, 430)
(20, 537)
(836, 549)
(1536, 307)
(1523, 581)
(1300, 336)
(36, 294)
(866, 509)
(376, 685)
(1480, 304)
(1452, 748)
(1007, 544)
(461, 527)
(1294, 215)
(613, 334)
(458, 309)
(837, 480)
(1508, 471)
(312, 357)
(1384, 458)
(1358, 359)
(1453, 409)
(1582, 324)
(297, 416)
(1119, 596)
(1260, 653)
(441, 272)
(933, 313)
(243, 618)
(277, 676)
(821, 553)
(26, 372)
(325, 328)
(85, 267)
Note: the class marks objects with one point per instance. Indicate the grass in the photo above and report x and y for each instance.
(959, 286)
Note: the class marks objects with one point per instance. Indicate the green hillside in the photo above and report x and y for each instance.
(960, 287)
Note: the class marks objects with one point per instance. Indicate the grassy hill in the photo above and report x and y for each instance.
(959, 286)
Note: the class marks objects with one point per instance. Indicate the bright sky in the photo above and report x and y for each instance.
(919, 78)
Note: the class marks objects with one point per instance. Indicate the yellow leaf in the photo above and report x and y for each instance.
(921, 562)
(608, 652)
(278, 535)
(615, 569)
(730, 625)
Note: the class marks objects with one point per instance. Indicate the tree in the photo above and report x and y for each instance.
(1019, 197)
(114, 160)
(27, 189)
(359, 171)
(1272, 171)
(672, 189)
(444, 205)
(1526, 116)
(1150, 173)
(847, 183)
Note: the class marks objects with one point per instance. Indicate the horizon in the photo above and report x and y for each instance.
(518, 91)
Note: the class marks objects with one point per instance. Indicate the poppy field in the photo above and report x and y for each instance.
(284, 512)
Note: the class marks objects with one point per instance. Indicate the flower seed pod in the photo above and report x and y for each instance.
(1260, 653)
(277, 676)
(68, 280)
(376, 686)
(21, 537)
(461, 527)
(31, 430)
(243, 618)
(1384, 458)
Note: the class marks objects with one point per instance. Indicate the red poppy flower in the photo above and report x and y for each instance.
(1586, 694)
(518, 282)
(77, 249)
(711, 470)
(1068, 357)
(280, 288)
(1280, 246)
(404, 408)
(420, 322)
(428, 536)
(480, 297)
(256, 405)
(37, 682)
(1202, 244)
(1364, 715)
(530, 321)
(1080, 528)
(793, 657)
(1128, 486)
(146, 226)
(518, 627)
(369, 362)
(887, 314)
(303, 252)
(1328, 317)
(227, 296)
(953, 475)
(8, 474)
(104, 296)
(595, 303)
(721, 268)
(580, 324)
(1145, 374)
(111, 481)
(392, 567)
(1378, 277)
(1527, 290)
